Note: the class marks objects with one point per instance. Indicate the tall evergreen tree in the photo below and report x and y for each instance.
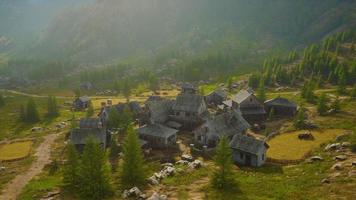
(341, 87)
(32, 115)
(322, 107)
(299, 121)
(125, 118)
(223, 177)
(336, 104)
(261, 93)
(71, 169)
(90, 110)
(114, 118)
(52, 107)
(133, 168)
(94, 173)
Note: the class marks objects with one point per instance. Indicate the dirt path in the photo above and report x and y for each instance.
(14, 188)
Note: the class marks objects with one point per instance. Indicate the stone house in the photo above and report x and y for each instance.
(216, 97)
(157, 135)
(248, 150)
(281, 107)
(81, 103)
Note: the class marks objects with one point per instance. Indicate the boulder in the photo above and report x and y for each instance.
(133, 192)
(153, 180)
(156, 196)
(306, 136)
(325, 180)
(36, 129)
(331, 147)
(340, 157)
(352, 173)
(337, 166)
(316, 158)
(170, 171)
(353, 163)
(345, 144)
(2, 169)
(167, 165)
(195, 164)
(187, 157)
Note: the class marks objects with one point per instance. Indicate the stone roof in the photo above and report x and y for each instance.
(248, 144)
(87, 123)
(218, 92)
(188, 102)
(159, 110)
(253, 110)
(84, 99)
(80, 136)
(157, 130)
(279, 101)
(242, 96)
(229, 123)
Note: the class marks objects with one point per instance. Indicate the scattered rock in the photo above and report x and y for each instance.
(187, 157)
(167, 165)
(337, 166)
(331, 147)
(183, 162)
(306, 136)
(133, 192)
(316, 158)
(195, 164)
(2, 169)
(353, 163)
(156, 196)
(325, 180)
(346, 144)
(153, 180)
(36, 129)
(352, 173)
(340, 157)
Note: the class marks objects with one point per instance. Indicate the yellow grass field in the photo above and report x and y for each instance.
(15, 150)
(287, 146)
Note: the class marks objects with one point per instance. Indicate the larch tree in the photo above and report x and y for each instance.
(71, 169)
(52, 107)
(94, 172)
(321, 106)
(133, 167)
(32, 115)
(223, 177)
(261, 93)
(299, 121)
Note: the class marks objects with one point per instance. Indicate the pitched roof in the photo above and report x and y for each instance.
(157, 130)
(228, 123)
(218, 92)
(80, 136)
(84, 99)
(242, 96)
(248, 144)
(279, 101)
(86, 123)
(159, 110)
(253, 110)
(188, 86)
(134, 107)
(188, 102)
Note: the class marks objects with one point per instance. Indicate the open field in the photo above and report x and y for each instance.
(14, 151)
(287, 146)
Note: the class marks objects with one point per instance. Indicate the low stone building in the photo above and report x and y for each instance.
(281, 106)
(81, 103)
(225, 124)
(248, 151)
(158, 135)
(252, 110)
(216, 97)
(189, 108)
(133, 106)
(89, 128)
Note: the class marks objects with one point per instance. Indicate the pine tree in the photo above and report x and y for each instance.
(153, 83)
(132, 169)
(90, 110)
(71, 169)
(341, 87)
(94, 173)
(32, 115)
(299, 121)
(261, 94)
(322, 107)
(229, 84)
(126, 118)
(114, 154)
(2, 101)
(114, 118)
(52, 107)
(223, 177)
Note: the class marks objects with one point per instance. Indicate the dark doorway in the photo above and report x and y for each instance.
(248, 160)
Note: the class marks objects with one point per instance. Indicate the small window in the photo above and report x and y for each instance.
(263, 156)
(241, 155)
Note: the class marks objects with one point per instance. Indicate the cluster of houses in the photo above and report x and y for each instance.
(207, 118)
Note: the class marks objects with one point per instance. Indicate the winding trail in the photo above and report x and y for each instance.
(14, 187)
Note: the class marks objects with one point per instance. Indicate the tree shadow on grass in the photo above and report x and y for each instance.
(230, 193)
(268, 168)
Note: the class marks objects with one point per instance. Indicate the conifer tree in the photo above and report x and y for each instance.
(31, 115)
(223, 177)
(114, 154)
(90, 110)
(299, 121)
(94, 173)
(336, 105)
(133, 168)
(341, 87)
(125, 119)
(52, 107)
(71, 169)
(261, 94)
(322, 107)
(114, 118)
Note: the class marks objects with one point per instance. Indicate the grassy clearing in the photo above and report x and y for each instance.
(287, 146)
(15, 150)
